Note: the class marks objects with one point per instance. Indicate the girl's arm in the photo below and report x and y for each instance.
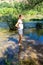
(17, 24)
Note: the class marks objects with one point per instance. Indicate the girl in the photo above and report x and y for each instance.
(19, 26)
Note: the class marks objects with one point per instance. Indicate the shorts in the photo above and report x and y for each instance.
(20, 31)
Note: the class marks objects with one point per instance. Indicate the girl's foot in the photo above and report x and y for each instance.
(20, 44)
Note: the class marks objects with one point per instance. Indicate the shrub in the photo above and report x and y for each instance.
(38, 26)
(11, 21)
(5, 4)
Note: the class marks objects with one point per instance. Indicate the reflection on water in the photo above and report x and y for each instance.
(3, 25)
(34, 35)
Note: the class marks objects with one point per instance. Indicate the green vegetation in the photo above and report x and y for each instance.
(32, 9)
(26, 9)
(11, 21)
(5, 4)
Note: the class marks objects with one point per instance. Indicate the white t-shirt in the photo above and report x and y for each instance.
(20, 24)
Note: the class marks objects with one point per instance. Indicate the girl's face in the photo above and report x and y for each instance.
(22, 17)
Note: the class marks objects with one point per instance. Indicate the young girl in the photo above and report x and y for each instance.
(19, 26)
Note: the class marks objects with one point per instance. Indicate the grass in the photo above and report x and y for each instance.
(5, 32)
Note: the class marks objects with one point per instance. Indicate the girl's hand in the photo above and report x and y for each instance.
(16, 26)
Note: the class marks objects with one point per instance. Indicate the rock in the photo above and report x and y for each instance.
(33, 55)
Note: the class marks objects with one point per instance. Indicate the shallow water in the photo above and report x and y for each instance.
(30, 27)
(36, 37)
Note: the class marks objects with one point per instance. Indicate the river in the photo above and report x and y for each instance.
(29, 30)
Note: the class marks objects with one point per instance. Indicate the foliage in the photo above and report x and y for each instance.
(20, 8)
(5, 4)
(11, 21)
(5, 11)
(39, 26)
(33, 3)
(32, 12)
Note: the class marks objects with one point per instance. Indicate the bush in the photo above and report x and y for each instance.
(33, 12)
(11, 21)
(5, 4)
(38, 26)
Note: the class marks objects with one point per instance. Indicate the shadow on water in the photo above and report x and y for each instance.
(36, 19)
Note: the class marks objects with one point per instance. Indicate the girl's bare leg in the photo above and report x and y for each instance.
(20, 39)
